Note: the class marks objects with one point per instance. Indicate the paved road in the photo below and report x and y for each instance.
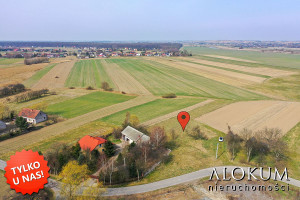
(167, 182)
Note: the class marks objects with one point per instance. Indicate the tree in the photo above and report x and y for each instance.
(158, 136)
(196, 133)
(134, 120)
(76, 151)
(233, 143)
(43, 105)
(21, 123)
(109, 149)
(105, 86)
(71, 176)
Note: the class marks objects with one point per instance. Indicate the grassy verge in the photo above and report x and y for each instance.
(87, 103)
(287, 87)
(152, 109)
(9, 61)
(38, 75)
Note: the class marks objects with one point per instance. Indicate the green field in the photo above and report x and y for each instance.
(87, 103)
(88, 73)
(152, 109)
(38, 75)
(8, 61)
(269, 59)
(161, 79)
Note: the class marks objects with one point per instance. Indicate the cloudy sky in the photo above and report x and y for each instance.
(153, 20)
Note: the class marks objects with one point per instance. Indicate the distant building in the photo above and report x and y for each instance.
(130, 135)
(91, 143)
(33, 116)
(2, 125)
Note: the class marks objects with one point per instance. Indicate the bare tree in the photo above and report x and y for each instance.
(158, 136)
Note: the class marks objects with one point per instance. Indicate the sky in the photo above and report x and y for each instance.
(149, 20)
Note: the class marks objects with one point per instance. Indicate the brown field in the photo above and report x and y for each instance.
(19, 73)
(17, 143)
(49, 81)
(207, 74)
(232, 58)
(175, 113)
(257, 70)
(123, 80)
(254, 115)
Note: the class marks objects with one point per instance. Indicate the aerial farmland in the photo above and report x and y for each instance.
(222, 93)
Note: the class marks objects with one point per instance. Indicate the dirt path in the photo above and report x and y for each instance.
(254, 115)
(17, 143)
(231, 58)
(123, 80)
(256, 70)
(56, 77)
(175, 113)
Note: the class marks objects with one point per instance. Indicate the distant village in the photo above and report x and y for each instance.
(85, 53)
(84, 50)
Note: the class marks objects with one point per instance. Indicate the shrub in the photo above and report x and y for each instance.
(90, 88)
(71, 87)
(170, 95)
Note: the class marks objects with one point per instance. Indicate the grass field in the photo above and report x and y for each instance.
(286, 87)
(38, 75)
(161, 79)
(269, 59)
(9, 61)
(152, 109)
(87, 103)
(88, 73)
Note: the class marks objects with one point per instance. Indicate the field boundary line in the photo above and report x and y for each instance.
(175, 113)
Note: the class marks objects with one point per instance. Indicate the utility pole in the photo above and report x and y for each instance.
(217, 150)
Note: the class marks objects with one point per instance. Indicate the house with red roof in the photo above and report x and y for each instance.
(33, 116)
(91, 143)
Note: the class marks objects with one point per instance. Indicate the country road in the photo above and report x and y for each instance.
(193, 176)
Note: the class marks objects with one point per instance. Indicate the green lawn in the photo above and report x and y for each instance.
(38, 75)
(87, 103)
(8, 61)
(88, 73)
(152, 109)
(161, 79)
(267, 59)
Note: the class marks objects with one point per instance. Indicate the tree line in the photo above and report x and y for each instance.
(31, 95)
(35, 60)
(12, 89)
(258, 144)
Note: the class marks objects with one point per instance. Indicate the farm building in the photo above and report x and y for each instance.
(33, 116)
(2, 125)
(130, 135)
(91, 143)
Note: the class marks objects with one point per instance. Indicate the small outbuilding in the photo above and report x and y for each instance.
(33, 116)
(131, 135)
(2, 125)
(90, 143)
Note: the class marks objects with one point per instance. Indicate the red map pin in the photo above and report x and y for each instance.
(183, 119)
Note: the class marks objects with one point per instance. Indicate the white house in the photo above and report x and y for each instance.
(33, 116)
(2, 125)
(130, 135)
